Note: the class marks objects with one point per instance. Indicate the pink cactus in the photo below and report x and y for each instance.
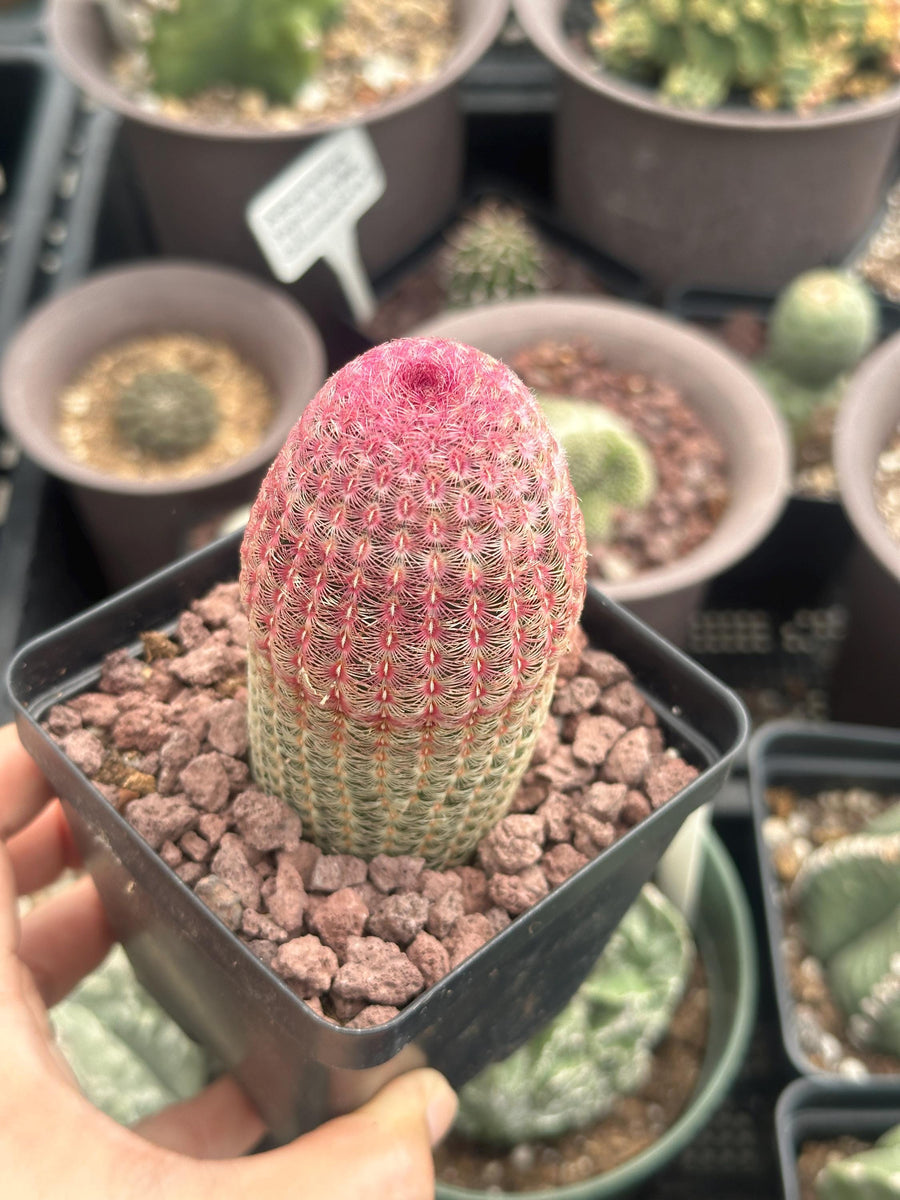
(413, 570)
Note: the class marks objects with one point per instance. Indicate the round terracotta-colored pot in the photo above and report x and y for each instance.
(718, 385)
(734, 197)
(864, 686)
(198, 178)
(138, 526)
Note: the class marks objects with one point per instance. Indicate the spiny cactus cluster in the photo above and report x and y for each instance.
(494, 255)
(166, 414)
(822, 324)
(870, 1175)
(192, 45)
(609, 465)
(413, 570)
(794, 54)
(600, 1046)
(847, 896)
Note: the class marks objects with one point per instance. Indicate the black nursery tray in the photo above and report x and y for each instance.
(808, 759)
(298, 1068)
(814, 1110)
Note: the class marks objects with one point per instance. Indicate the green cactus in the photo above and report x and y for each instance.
(494, 255)
(798, 402)
(847, 896)
(821, 326)
(609, 465)
(600, 1046)
(128, 1055)
(167, 414)
(870, 1175)
(783, 53)
(191, 45)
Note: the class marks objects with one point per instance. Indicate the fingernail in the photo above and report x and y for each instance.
(441, 1110)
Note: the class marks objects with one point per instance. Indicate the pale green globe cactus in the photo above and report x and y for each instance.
(821, 326)
(494, 255)
(870, 1175)
(167, 414)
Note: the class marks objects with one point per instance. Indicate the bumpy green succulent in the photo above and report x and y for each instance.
(797, 54)
(167, 414)
(870, 1175)
(191, 45)
(798, 402)
(600, 1046)
(609, 465)
(821, 326)
(847, 896)
(494, 255)
(128, 1055)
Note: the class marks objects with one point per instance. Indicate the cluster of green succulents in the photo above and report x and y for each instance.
(128, 1055)
(821, 326)
(192, 45)
(847, 896)
(493, 255)
(794, 54)
(870, 1175)
(610, 466)
(166, 414)
(600, 1047)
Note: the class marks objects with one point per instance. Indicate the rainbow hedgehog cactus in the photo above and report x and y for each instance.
(413, 570)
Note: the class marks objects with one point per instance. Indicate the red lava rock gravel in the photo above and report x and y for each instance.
(355, 940)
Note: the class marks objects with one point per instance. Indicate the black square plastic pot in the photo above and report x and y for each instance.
(810, 759)
(298, 1068)
(818, 1110)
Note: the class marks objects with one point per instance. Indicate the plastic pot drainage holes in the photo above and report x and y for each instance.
(298, 1068)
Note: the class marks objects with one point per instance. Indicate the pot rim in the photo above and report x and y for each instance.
(487, 17)
(254, 298)
(719, 550)
(710, 1094)
(539, 19)
(858, 416)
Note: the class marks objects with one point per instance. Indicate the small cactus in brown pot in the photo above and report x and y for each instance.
(167, 414)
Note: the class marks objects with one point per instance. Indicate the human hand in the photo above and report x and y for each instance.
(54, 1145)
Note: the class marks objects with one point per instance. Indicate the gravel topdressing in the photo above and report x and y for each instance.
(164, 739)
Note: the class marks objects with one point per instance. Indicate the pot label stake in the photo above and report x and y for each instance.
(310, 210)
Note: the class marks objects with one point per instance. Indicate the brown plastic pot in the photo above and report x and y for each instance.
(718, 385)
(734, 197)
(864, 686)
(198, 179)
(138, 526)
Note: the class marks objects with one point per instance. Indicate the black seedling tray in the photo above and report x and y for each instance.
(818, 1110)
(297, 1068)
(810, 758)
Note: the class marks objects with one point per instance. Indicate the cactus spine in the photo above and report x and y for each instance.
(167, 414)
(494, 255)
(413, 569)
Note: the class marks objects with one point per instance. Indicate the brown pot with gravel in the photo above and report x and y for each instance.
(390, 65)
(160, 393)
(715, 465)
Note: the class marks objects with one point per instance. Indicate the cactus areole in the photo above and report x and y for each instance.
(413, 570)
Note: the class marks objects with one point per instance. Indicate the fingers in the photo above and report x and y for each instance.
(384, 1149)
(23, 789)
(43, 850)
(64, 939)
(218, 1123)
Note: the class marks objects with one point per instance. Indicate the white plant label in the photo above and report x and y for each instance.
(310, 210)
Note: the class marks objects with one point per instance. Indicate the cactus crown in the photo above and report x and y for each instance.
(413, 569)
(609, 464)
(821, 326)
(796, 54)
(600, 1046)
(871, 1174)
(191, 45)
(167, 414)
(494, 255)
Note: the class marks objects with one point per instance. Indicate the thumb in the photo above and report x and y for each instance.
(382, 1149)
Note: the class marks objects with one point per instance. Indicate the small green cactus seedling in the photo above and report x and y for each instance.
(798, 402)
(870, 1175)
(600, 1046)
(821, 326)
(494, 255)
(609, 465)
(191, 45)
(167, 414)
